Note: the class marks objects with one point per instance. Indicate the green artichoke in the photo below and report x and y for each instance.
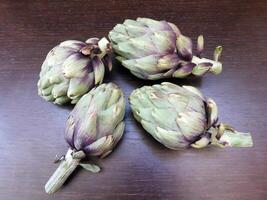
(153, 49)
(94, 127)
(181, 117)
(72, 68)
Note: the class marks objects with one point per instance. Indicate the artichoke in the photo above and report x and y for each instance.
(93, 128)
(181, 117)
(72, 68)
(153, 50)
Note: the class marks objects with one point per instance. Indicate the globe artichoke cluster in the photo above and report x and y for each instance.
(176, 116)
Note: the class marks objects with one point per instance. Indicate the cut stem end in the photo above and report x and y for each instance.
(228, 137)
(64, 170)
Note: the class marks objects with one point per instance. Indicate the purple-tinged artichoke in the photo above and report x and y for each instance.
(93, 128)
(72, 68)
(181, 117)
(153, 49)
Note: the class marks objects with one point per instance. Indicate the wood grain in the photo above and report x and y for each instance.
(31, 130)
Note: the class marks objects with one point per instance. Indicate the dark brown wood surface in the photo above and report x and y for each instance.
(31, 129)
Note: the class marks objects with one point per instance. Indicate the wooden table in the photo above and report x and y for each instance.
(31, 129)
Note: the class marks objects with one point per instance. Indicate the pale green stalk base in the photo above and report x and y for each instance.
(236, 139)
(228, 137)
(216, 65)
(64, 170)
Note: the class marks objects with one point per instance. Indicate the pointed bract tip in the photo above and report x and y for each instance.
(217, 53)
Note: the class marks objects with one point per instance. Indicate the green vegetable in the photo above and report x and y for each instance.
(72, 68)
(94, 127)
(181, 117)
(153, 49)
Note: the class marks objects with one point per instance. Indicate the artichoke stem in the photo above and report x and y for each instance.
(230, 137)
(63, 171)
(216, 67)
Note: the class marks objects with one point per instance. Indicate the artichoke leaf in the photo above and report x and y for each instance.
(90, 167)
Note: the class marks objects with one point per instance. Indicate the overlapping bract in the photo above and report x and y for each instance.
(153, 49)
(179, 117)
(72, 68)
(96, 123)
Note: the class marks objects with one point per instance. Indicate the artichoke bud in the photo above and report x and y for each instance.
(72, 68)
(181, 117)
(93, 128)
(153, 49)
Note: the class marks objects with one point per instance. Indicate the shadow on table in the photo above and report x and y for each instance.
(120, 73)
